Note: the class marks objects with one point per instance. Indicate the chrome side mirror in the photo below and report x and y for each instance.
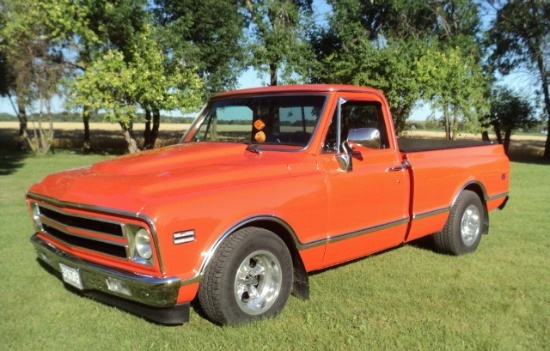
(344, 158)
(366, 137)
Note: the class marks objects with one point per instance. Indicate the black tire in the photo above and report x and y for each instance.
(465, 226)
(249, 278)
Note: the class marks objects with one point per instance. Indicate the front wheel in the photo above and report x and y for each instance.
(250, 277)
(464, 227)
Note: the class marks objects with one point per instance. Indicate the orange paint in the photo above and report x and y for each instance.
(295, 188)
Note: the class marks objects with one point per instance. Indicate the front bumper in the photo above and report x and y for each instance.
(149, 297)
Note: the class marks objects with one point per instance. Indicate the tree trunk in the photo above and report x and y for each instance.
(127, 132)
(455, 123)
(22, 117)
(86, 146)
(147, 144)
(447, 123)
(507, 137)
(23, 135)
(151, 130)
(496, 127)
(156, 126)
(546, 93)
(273, 74)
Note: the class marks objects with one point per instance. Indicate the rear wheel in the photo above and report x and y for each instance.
(249, 278)
(464, 227)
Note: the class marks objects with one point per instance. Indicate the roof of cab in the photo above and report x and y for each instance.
(304, 88)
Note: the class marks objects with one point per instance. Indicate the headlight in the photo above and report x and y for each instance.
(143, 244)
(37, 222)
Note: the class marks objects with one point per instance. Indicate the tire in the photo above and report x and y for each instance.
(465, 226)
(249, 278)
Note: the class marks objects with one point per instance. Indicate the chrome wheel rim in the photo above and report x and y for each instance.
(258, 282)
(470, 225)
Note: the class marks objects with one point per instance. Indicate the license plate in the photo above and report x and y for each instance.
(71, 276)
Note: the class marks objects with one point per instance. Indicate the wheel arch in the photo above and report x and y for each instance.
(300, 283)
(479, 189)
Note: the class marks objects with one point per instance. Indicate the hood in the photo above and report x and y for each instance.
(130, 182)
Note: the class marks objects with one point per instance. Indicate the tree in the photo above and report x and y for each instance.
(72, 24)
(508, 112)
(31, 66)
(120, 87)
(86, 30)
(206, 34)
(458, 84)
(278, 38)
(520, 37)
(455, 85)
(408, 49)
(118, 65)
(357, 48)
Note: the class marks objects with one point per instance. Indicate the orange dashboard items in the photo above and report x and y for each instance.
(259, 124)
(259, 137)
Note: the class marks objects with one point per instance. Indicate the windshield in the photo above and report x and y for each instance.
(282, 119)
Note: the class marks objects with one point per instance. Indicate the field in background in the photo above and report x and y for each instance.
(522, 145)
(408, 298)
(106, 137)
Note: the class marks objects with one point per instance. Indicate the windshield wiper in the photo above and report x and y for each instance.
(254, 148)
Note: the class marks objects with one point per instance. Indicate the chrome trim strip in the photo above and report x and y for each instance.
(497, 196)
(107, 211)
(183, 237)
(58, 210)
(431, 213)
(100, 209)
(299, 246)
(210, 253)
(369, 230)
(69, 231)
(473, 182)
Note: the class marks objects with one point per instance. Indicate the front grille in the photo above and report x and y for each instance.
(90, 244)
(82, 223)
(71, 228)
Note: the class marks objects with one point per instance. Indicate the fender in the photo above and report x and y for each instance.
(284, 231)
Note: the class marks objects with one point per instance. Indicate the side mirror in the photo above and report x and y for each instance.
(366, 137)
(344, 158)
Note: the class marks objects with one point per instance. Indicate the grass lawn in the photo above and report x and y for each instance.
(408, 298)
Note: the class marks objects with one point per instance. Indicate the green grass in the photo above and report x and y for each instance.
(408, 298)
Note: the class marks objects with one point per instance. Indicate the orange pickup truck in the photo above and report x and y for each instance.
(266, 185)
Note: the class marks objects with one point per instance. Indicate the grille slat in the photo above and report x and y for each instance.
(83, 223)
(90, 244)
(68, 221)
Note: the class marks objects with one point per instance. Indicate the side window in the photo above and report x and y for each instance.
(357, 114)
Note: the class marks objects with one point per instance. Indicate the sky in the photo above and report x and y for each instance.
(519, 81)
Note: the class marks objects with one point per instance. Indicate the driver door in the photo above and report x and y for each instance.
(368, 205)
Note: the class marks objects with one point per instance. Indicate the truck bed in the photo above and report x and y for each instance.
(408, 145)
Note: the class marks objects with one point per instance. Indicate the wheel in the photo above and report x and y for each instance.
(249, 278)
(464, 227)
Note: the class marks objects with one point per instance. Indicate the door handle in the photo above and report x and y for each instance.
(404, 165)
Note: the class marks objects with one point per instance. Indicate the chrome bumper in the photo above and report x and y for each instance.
(150, 297)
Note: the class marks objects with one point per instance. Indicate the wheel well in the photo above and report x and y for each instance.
(480, 192)
(300, 285)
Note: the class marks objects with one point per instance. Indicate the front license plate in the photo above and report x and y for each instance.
(71, 276)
